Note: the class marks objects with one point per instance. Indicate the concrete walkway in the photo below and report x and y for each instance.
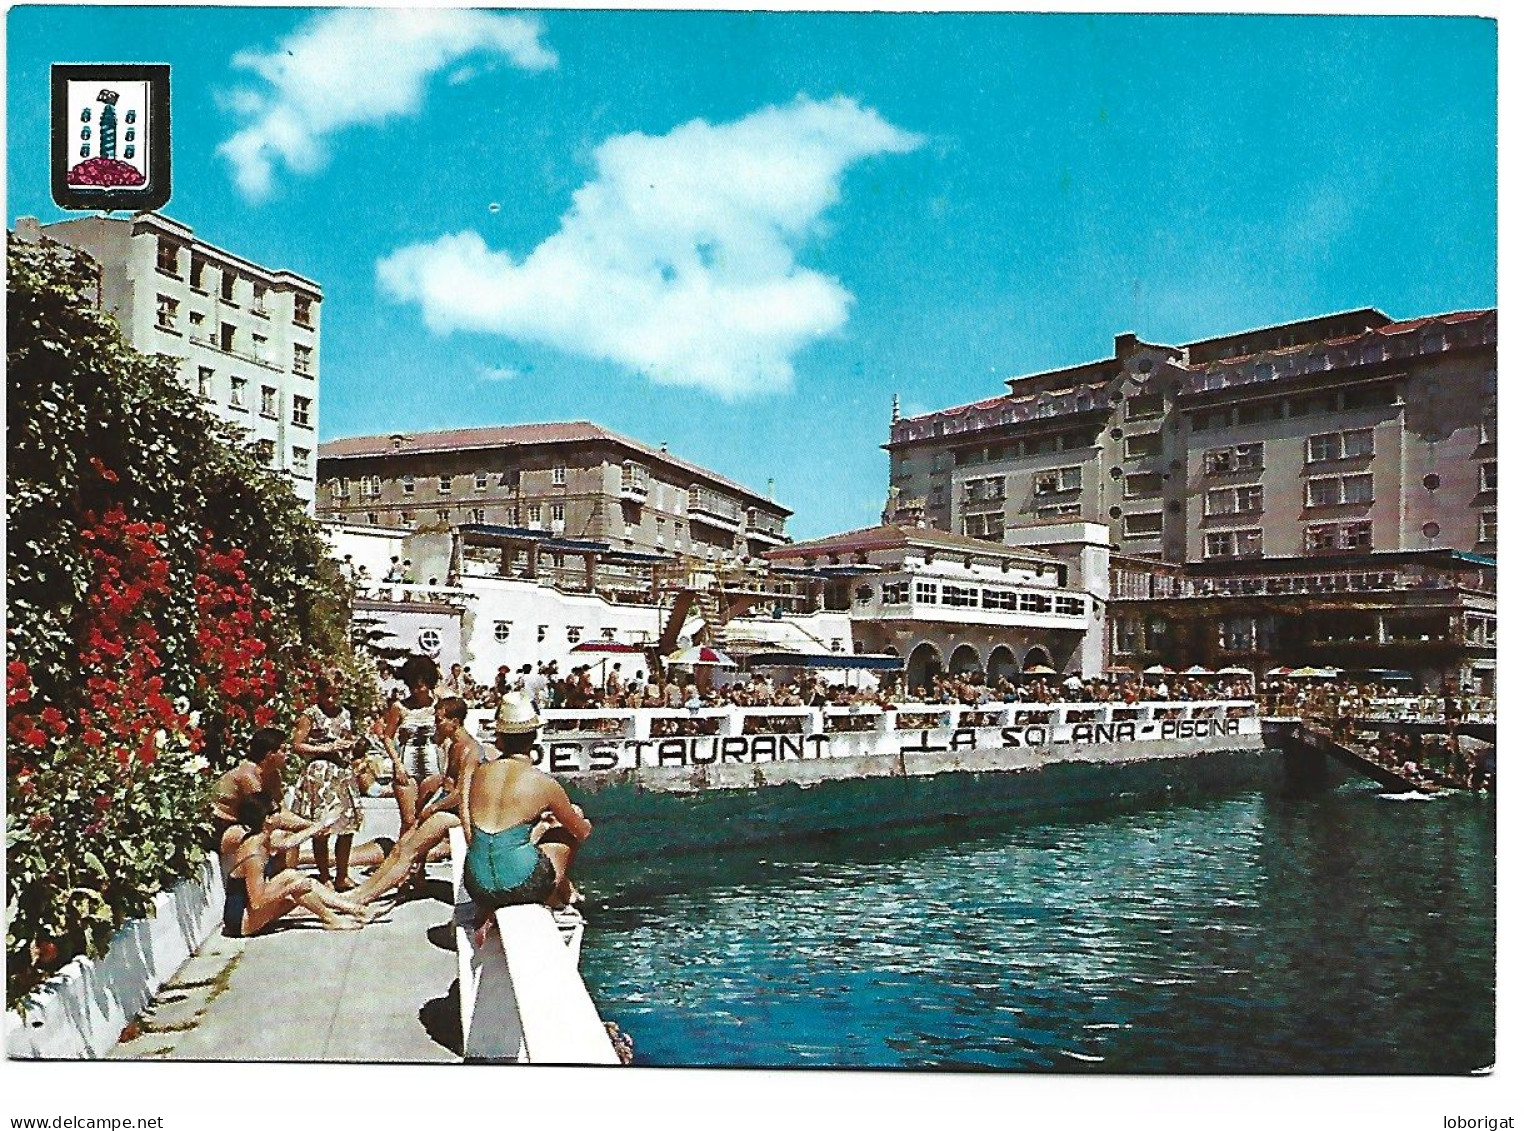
(383, 994)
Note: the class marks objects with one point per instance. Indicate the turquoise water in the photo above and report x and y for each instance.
(1339, 933)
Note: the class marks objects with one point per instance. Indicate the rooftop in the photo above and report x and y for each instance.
(521, 435)
(900, 537)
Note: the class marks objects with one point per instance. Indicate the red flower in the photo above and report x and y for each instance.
(35, 738)
(41, 822)
(93, 738)
(102, 803)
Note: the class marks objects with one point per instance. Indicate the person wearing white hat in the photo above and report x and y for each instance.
(511, 857)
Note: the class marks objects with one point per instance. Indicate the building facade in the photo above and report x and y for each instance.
(244, 337)
(945, 602)
(1347, 434)
(574, 480)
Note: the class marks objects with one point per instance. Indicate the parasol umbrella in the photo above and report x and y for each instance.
(701, 657)
(1313, 673)
(1119, 669)
(607, 646)
(1039, 669)
(1234, 671)
(1281, 671)
(1158, 669)
(1197, 669)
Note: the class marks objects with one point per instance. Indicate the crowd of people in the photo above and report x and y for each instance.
(521, 829)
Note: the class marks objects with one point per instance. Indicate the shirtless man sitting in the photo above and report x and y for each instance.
(439, 813)
(258, 775)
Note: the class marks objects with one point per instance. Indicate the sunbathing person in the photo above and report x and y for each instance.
(259, 891)
(511, 858)
(439, 813)
(258, 775)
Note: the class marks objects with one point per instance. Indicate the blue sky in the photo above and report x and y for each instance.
(741, 233)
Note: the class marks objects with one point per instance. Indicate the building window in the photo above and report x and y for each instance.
(1339, 490)
(239, 392)
(481, 480)
(1321, 539)
(1147, 525)
(301, 360)
(1487, 479)
(501, 630)
(534, 514)
(896, 593)
(1142, 484)
(262, 348)
(1001, 600)
(446, 484)
(265, 450)
(540, 633)
(1069, 606)
(269, 404)
(168, 312)
(989, 527)
(1145, 406)
(1487, 526)
(573, 633)
(1059, 510)
(443, 516)
(1036, 603)
(409, 484)
(229, 282)
(302, 311)
(1142, 447)
(227, 337)
(1355, 537)
(1056, 481)
(428, 641)
(258, 305)
(301, 459)
(1242, 457)
(1340, 445)
(1237, 634)
(478, 515)
(405, 518)
(1232, 544)
(925, 592)
(338, 489)
(197, 271)
(169, 258)
(375, 486)
(960, 596)
(204, 383)
(1259, 413)
(1124, 636)
(372, 518)
(989, 490)
(301, 411)
(557, 513)
(558, 475)
(1249, 499)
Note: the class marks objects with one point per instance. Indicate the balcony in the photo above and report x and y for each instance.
(632, 490)
(715, 511)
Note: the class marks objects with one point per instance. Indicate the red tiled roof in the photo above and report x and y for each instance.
(511, 435)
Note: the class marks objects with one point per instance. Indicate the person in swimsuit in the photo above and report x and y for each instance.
(259, 891)
(463, 754)
(407, 730)
(510, 858)
(258, 775)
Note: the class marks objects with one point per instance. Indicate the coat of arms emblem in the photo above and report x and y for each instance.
(111, 136)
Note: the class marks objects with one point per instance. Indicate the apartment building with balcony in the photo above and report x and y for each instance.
(1350, 433)
(572, 480)
(244, 337)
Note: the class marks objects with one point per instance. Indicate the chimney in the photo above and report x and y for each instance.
(1127, 344)
(771, 497)
(894, 410)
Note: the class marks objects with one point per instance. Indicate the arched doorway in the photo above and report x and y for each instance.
(924, 665)
(1002, 663)
(965, 659)
(1034, 657)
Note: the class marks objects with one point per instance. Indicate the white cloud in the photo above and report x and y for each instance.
(499, 372)
(353, 66)
(678, 259)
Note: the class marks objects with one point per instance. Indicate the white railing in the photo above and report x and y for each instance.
(633, 738)
(1429, 709)
(410, 591)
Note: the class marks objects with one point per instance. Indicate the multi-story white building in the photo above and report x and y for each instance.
(244, 337)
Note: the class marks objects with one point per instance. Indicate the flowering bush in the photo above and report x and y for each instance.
(166, 595)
